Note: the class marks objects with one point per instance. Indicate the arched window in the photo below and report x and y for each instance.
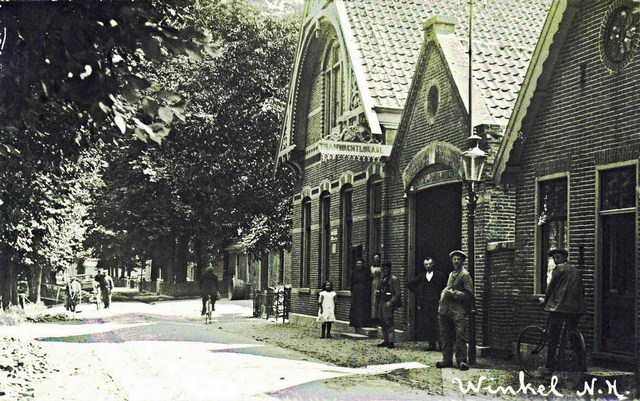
(374, 214)
(305, 259)
(346, 227)
(324, 250)
(332, 87)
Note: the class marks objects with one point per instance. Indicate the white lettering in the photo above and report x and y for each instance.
(613, 389)
(587, 389)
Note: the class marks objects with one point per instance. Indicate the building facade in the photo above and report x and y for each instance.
(571, 152)
(376, 123)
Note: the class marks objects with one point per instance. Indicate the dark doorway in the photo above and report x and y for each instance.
(618, 279)
(438, 228)
(618, 260)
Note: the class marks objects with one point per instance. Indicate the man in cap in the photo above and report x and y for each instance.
(102, 282)
(455, 302)
(564, 300)
(208, 288)
(388, 299)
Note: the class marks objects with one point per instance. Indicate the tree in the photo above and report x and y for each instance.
(71, 80)
(81, 60)
(211, 181)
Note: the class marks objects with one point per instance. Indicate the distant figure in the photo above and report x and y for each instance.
(104, 284)
(427, 287)
(359, 312)
(110, 286)
(327, 308)
(387, 301)
(375, 281)
(208, 287)
(72, 289)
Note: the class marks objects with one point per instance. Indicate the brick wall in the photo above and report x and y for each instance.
(583, 122)
(305, 301)
(494, 217)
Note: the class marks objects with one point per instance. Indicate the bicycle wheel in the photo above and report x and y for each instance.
(532, 351)
(572, 361)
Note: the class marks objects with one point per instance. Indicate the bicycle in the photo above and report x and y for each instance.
(571, 361)
(208, 310)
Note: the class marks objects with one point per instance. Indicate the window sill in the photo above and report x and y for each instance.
(301, 290)
(344, 293)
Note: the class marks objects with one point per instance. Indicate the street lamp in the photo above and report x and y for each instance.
(473, 161)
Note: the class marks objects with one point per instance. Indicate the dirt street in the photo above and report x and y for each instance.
(137, 351)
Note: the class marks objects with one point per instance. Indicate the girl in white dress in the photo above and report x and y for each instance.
(327, 308)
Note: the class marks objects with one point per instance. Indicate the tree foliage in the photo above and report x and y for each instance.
(210, 181)
(72, 81)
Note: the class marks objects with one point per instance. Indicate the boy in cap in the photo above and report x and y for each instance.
(564, 300)
(455, 303)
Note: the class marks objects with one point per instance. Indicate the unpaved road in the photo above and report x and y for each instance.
(136, 351)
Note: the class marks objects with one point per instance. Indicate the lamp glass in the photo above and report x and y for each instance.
(473, 161)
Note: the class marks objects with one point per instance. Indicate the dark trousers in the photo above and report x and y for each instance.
(453, 336)
(204, 302)
(555, 330)
(388, 333)
(105, 296)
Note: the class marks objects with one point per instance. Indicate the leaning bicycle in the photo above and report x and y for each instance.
(571, 360)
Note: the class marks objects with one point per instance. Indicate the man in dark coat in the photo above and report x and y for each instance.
(360, 310)
(387, 299)
(455, 303)
(564, 300)
(208, 287)
(427, 287)
(103, 283)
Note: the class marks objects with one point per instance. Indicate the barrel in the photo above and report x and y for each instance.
(239, 289)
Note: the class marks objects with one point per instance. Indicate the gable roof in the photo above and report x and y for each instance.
(389, 35)
(383, 39)
(539, 73)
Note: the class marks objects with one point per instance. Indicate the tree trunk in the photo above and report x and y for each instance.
(168, 251)
(35, 283)
(182, 252)
(5, 279)
(159, 257)
(201, 256)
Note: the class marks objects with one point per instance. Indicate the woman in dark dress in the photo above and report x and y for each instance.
(360, 296)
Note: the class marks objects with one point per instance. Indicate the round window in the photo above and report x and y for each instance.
(433, 100)
(620, 32)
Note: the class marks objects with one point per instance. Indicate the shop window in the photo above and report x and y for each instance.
(346, 225)
(552, 225)
(305, 260)
(332, 88)
(324, 250)
(375, 218)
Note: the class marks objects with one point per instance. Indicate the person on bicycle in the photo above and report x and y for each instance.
(208, 287)
(564, 300)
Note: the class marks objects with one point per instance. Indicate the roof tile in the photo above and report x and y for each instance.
(389, 34)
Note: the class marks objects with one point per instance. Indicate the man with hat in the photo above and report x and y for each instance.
(455, 302)
(564, 300)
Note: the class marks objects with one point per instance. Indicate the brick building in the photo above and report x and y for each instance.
(571, 152)
(376, 122)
